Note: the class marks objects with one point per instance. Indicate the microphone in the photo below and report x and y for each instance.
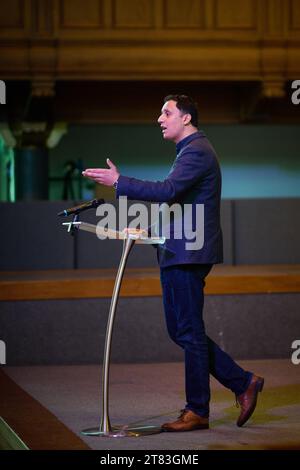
(82, 207)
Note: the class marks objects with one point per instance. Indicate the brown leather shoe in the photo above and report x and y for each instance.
(248, 399)
(187, 421)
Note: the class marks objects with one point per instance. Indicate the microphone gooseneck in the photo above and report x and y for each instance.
(81, 207)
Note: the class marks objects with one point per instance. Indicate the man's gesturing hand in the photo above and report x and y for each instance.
(106, 176)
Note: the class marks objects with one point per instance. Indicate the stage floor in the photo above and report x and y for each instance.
(153, 394)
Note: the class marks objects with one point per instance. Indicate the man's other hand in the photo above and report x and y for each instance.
(137, 233)
(105, 176)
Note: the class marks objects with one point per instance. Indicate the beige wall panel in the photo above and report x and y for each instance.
(12, 14)
(150, 39)
(236, 14)
(294, 16)
(187, 14)
(159, 63)
(133, 13)
(16, 65)
(273, 62)
(293, 63)
(42, 61)
(42, 12)
(274, 17)
(80, 14)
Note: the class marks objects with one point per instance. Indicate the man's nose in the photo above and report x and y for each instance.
(160, 119)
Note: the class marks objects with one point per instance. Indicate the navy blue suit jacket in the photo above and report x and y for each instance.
(194, 179)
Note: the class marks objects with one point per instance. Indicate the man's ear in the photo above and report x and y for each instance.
(187, 119)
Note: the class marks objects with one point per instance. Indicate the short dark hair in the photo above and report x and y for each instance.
(185, 104)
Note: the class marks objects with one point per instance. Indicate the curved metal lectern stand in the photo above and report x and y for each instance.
(106, 429)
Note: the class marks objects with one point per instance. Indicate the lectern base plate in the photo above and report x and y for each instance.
(123, 431)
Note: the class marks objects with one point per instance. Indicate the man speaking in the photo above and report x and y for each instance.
(194, 179)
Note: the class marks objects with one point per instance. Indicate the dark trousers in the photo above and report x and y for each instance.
(183, 303)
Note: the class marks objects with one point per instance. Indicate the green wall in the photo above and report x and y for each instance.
(7, 188)
(256, 160)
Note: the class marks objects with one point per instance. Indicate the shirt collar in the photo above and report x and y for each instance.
(187, 140)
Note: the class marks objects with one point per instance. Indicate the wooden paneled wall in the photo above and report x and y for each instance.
(47, 40)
